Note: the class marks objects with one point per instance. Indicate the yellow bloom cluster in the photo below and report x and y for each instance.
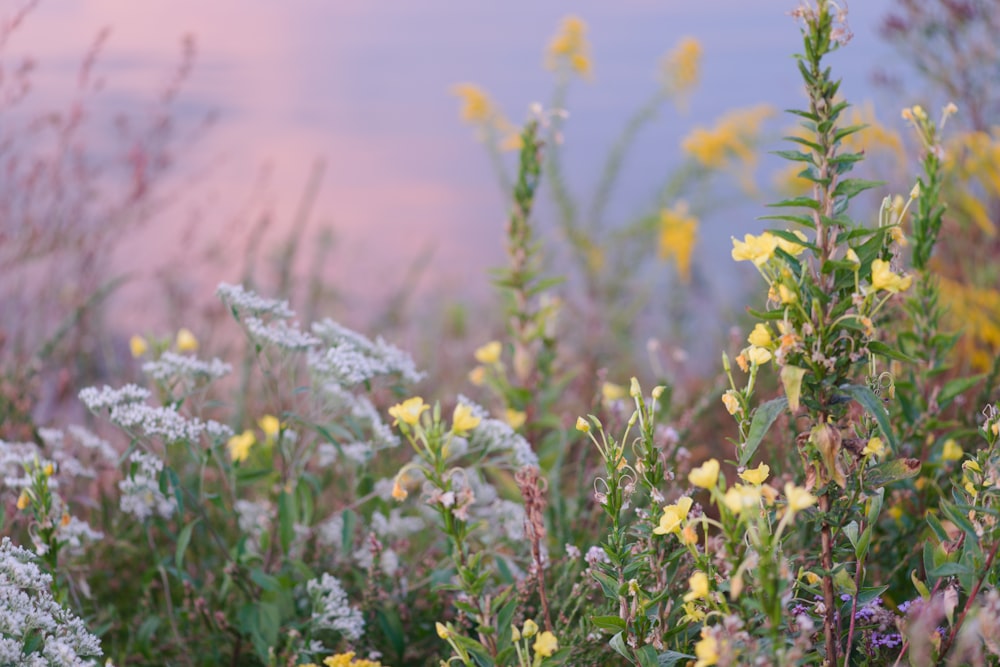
(674, 516)
(732, 138)
(884, 279)
(409, 411)
(477, 107)
(345, 660)
(678, 235)
(570, 46)
(680, 68)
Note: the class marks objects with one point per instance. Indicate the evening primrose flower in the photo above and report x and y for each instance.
(570, 45)
(462, 420)
(515, 634)
(490, 353)
(680, 67)
(740, 497)
(792, 248)
(678, 236)
(409, 411)
(530, 629)
(582, 425)
(477, 107)
(786, 294)
(546, 644)
(706, 650)
(515, 418)
(706, 475)
(138, 346)
(757, 249)
(442, 630)
(698, 583)
(852, 257)
(952, 451)
(270, 425)
(23, 500)
(756, 476)
(186, 342)
(239, 446)
(884, 279)
(732, 403)
(399, 492)
(875, 447)
(760, 336)
(673, 516)
(758, 355)
(798, 498)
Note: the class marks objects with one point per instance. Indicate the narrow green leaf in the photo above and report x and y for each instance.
(873, 405)
(805, 202)
(287, 517)
(609, 623)
(954, 388)
(795, 156)
(674, 658)
(891, 471)
(763, 417)
(183, 540)
(850, 187)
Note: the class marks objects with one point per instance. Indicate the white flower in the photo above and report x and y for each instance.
(332, 610)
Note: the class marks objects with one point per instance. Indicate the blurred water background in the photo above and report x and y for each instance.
(362, 87)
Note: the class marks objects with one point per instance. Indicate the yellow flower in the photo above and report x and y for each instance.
(239, 446)
(270, 425)
(756, 249)
(706, 650)
(678, 235)
(398, 490)
(462, 420)
(706, 476)
(786, 294)
(732, 138)
(760, 336)
(23, 500)
(680, 67)
(740, 497)
(186, 342)
(515, 418)
(673, 516)
(348, 660)
(798, 497)
(48, 470)
(688, 534)
(530, 629)
(477, 375)
(442, 630)
(408, 411)
(698, 583)
(612, 392)
(546, 644)
(884, 279)
(793, 249)
(490, 353)
(757, 475)
(515, 634)
(476, 104)
(731, 402)
(852, 257)
(758, 355)
(875, 447)
(138, 346)
(570, 46)
(952, 451)
(582, 425)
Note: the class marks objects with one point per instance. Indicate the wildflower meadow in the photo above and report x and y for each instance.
(270, 487)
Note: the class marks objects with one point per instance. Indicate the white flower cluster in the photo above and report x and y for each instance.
(141, 495)
(68, 457)
(362, 410)
(494, 435)
(74, 532)
(16, 458)
(185, 368)
(254, 520)
(332, 610)
(28, 612)
(107, 398)
(243, 301)
(94, 443)
(280, 334)
(350, 359)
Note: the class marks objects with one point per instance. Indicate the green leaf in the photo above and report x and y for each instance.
(763, 417)
(880, 348)
(647, 656)
(674, 658)
(949, 570)
(851, 187)
(891, 471)
(182, 543)
(795, 156)
(805, 202)
(803, 220)
(870, 402)
(287, 517)
(618, 644)
(609, 623)
(954, 388)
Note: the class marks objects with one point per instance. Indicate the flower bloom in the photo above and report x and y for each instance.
(462, 420)
(23, 500)
(705, 476)
(740, 497)
(582, 425)
(706, 650)
(530, 629)
(698, 584)
(270, 425)
(760, 336)
(442, 630)
(758, 355)
(884, 279)
(186, 342)
(952, 451)
(876, 448)
(798, 497)
(409, 411)
(673, 516)
(570, 45)
(793, 249)
(137, 345)
(680, 67)
(757, 475)
(546, 644)
(731, 402)
(489, 353)
(476, 104)
(398, 490)
(678, 235)
(757, 249)
(239, 446)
